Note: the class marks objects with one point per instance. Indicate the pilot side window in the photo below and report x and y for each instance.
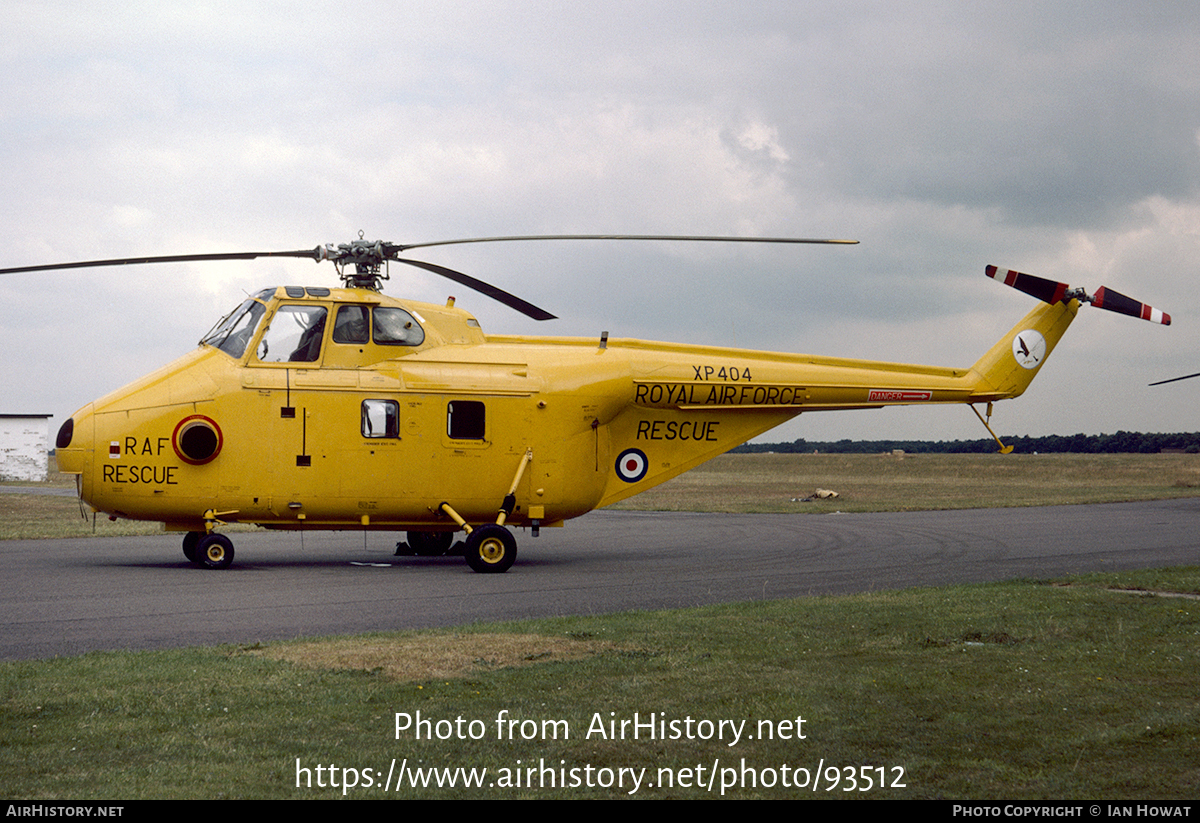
(380, 418)
(294, 335)
(464, 420)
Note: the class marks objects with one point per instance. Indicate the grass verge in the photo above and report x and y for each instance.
(1024, 690)
(758, 483)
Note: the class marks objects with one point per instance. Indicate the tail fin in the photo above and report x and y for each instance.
(1010, 366)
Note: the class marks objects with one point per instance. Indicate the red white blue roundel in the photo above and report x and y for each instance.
(632, 465)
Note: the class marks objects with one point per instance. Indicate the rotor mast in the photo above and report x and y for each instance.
(367, 257)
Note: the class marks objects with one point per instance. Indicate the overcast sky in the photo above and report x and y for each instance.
(1060, 139)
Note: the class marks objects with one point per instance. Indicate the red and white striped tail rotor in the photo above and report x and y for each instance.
(1050, 291)
(1115, 301)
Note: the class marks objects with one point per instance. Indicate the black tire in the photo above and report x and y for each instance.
(215, 551)
(491, 549)
(430, 544)
(189, 546)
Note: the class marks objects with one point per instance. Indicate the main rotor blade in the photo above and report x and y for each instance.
(690, 238)
(361, 254)
(313, 254)
(510, 300)
(1173, 379)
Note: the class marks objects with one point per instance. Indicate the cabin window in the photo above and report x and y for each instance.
(352, 325)
(396, 327)
(294, 335)
(464, 420)
(380, 418)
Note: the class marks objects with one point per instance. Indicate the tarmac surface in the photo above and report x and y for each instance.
(67, 597)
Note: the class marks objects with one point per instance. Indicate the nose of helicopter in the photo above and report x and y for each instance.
(75, 444)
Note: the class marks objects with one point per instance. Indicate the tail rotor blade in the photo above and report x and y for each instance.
(1048, 291)
(1115, 301)
(1051, 292)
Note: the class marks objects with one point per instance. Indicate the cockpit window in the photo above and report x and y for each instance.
(233, 333)
(396, 327)
(294, 335)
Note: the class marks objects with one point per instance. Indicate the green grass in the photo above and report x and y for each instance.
(34, 516)
(886, 482)
(1022, 690)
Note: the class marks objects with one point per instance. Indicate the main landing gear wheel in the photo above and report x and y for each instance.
(189, 546)
(491, 549)
(430, 544)
(215, 551)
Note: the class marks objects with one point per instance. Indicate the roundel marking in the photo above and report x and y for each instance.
(1029, 349)
(632, 465)
(197, 439)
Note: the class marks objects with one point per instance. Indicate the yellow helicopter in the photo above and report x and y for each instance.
(342, 408)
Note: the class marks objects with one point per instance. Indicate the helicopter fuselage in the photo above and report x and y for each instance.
(316, 408)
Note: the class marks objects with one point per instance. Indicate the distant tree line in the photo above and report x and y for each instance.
(1121, 442)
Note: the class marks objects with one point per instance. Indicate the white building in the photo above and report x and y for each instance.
(23, 450)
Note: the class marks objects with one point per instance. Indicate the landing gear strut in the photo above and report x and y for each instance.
(491, 548)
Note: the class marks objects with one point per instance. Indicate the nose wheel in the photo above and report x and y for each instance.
(212, 551)
(189, 546)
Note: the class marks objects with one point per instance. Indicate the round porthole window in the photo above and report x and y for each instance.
(197, 439)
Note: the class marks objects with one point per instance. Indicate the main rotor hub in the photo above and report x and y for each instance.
(367, 257)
